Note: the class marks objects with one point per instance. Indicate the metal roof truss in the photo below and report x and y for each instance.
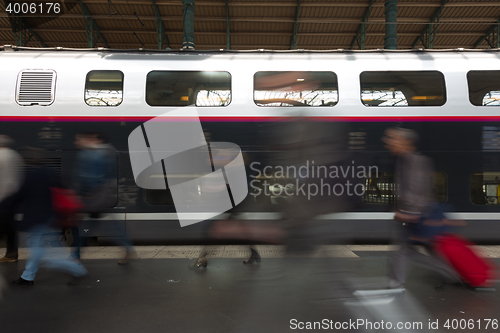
(93, 32)
(293, 41)
(428, 35)
(22, 29)
(161, 35)
(491, 37)
(360, 38)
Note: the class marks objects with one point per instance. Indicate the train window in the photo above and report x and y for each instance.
(441, 186)
(36, 87)
(295, 89)
(104, 88)
(485, 188)
(491, 138)
(182, 88)
(382, 189)
(484, 88)
(159, 197)
(403, 88)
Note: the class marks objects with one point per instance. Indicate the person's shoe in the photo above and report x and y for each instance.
(22, 282)
(200, 262)
(128, 257)
(7, 259)
(255, 257)
(76, 280)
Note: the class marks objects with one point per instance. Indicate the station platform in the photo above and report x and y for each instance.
(334, 288)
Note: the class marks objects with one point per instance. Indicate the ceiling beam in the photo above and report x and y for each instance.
(293, 40)
(161, 35)
(428, 34)
(361, 33)
(153, 46)
(246, 33)
(377, 20)
(322, 4)
(492, 36)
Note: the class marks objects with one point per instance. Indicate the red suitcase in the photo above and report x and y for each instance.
(475, 271)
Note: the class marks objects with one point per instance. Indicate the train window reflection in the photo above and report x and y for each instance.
(295, 89)
(382, 189)
(484, 88)
(104, 88)
(182, 88)
(403, 88)
(213, 97)
(383, 98)
(485, 188)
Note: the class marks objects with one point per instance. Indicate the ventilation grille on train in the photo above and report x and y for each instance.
(36, 87)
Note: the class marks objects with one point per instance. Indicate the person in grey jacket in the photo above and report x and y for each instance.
(415, 203)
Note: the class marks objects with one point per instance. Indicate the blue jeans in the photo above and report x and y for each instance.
(36, 254)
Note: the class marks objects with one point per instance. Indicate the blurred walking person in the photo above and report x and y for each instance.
(415, 205)
(10, 180)
(38, 215)
(95, 182)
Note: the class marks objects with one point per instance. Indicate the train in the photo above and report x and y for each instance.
(450, 97)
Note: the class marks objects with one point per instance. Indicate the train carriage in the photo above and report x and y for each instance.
(451, 98)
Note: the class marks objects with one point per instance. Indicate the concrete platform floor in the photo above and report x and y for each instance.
(160, 293)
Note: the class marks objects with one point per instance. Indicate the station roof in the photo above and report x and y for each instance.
(262, 24)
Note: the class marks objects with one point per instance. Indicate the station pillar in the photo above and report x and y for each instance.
(188, 34)
(391, 15)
